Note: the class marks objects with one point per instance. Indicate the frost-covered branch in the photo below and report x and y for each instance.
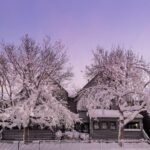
(31, 75)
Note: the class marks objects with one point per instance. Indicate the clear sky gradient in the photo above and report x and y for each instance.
(82, 25)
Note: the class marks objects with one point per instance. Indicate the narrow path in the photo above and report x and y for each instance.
(73, 146)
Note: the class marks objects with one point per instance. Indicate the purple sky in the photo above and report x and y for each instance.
(82, 25)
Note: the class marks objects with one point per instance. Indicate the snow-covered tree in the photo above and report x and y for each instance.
(120, 80)
(29, 74)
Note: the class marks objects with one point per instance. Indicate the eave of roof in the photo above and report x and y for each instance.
(104, 113)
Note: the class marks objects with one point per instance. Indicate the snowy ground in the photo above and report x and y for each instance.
(73, 146)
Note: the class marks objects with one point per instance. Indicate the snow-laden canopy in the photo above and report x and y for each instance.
(120, 79)
(42, 109)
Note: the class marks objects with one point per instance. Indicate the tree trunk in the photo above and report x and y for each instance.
(25, 134)
(121, 133)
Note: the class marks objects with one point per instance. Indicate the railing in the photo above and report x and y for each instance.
(145, 135)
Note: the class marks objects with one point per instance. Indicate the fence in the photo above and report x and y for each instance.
(76, 145)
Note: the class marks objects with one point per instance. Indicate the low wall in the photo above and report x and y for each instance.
(16, 134)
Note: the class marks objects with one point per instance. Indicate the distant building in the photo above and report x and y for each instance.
(104, 124)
